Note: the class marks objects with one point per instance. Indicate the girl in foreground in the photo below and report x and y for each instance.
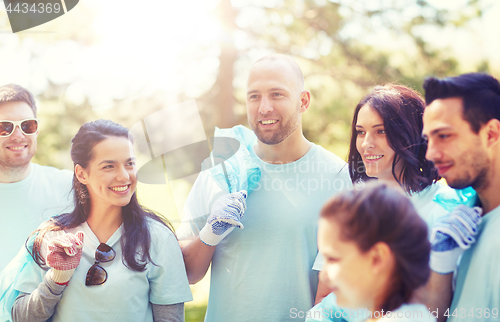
(110, 259)
(376, 255)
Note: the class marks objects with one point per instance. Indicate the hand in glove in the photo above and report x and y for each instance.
(451, 235)
(226, 214)
(64, 253)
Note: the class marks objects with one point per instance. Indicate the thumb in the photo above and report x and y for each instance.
(243, 193)
(80, 236)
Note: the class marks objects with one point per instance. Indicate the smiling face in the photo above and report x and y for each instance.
(16, 150)
(346, 270)
(110, 176)
(372, 144)
(457, 152)
(274, 101)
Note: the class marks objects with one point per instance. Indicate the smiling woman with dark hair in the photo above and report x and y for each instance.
(387, 144)
(110, 259)
(386, 139)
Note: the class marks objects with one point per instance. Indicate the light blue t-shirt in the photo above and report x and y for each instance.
(24, 205)
(428, 209)
(424, 204)
(262, 272)
(477, 294)
(126, 295)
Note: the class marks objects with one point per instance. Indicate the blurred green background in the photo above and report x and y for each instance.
(124, 60)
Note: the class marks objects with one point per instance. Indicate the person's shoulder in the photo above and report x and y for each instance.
(329, 163)
(438, 187)
(323, 154)
(429, 192)
(52, 173)
(158, 230)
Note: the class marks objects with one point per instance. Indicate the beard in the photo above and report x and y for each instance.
(286, 127)
(277, 136)
(12, 165)
(476, 166)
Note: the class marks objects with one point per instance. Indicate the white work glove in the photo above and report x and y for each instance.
(451, 235)
(226, 214)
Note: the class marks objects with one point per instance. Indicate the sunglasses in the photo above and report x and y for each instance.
(28, 127)
(97, 275)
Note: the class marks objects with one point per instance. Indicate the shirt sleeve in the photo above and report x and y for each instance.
(32, 275)
(40, 304)
(167, 276)
(318, 262)
(168, 313)
(198, 205)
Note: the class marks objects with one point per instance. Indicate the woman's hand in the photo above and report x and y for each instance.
(64, 253)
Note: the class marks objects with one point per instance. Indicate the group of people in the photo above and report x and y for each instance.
(404, 247)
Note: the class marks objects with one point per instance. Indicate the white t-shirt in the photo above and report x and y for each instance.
(126, 295)
(262, 272)
(424, 203)
(24, 205)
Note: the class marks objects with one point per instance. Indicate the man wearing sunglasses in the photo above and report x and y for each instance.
(29, 193)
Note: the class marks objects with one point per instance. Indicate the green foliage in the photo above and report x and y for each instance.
(344, 48)
(196, 313)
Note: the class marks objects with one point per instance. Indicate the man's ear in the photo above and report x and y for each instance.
(381, 258)
(491, 132)
(305, 100)
(81, 174)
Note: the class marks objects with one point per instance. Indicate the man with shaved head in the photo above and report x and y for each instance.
(263, 272)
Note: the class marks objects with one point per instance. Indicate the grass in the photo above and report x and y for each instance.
(196, 313)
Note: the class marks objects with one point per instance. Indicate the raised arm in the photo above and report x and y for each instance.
(63, 256)
(168, 313)
(197, 258)
(225, 216)
(450, 236)
(436, 294)
(40, 305)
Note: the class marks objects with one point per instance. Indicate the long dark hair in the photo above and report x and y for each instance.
(136, 231)
(401, 109)
(378, 213)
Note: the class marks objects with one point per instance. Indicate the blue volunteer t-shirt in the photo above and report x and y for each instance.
(477, 293)
(25, 204)
(126, 295)
(263, 272)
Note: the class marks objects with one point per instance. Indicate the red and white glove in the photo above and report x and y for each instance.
(64, 256)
